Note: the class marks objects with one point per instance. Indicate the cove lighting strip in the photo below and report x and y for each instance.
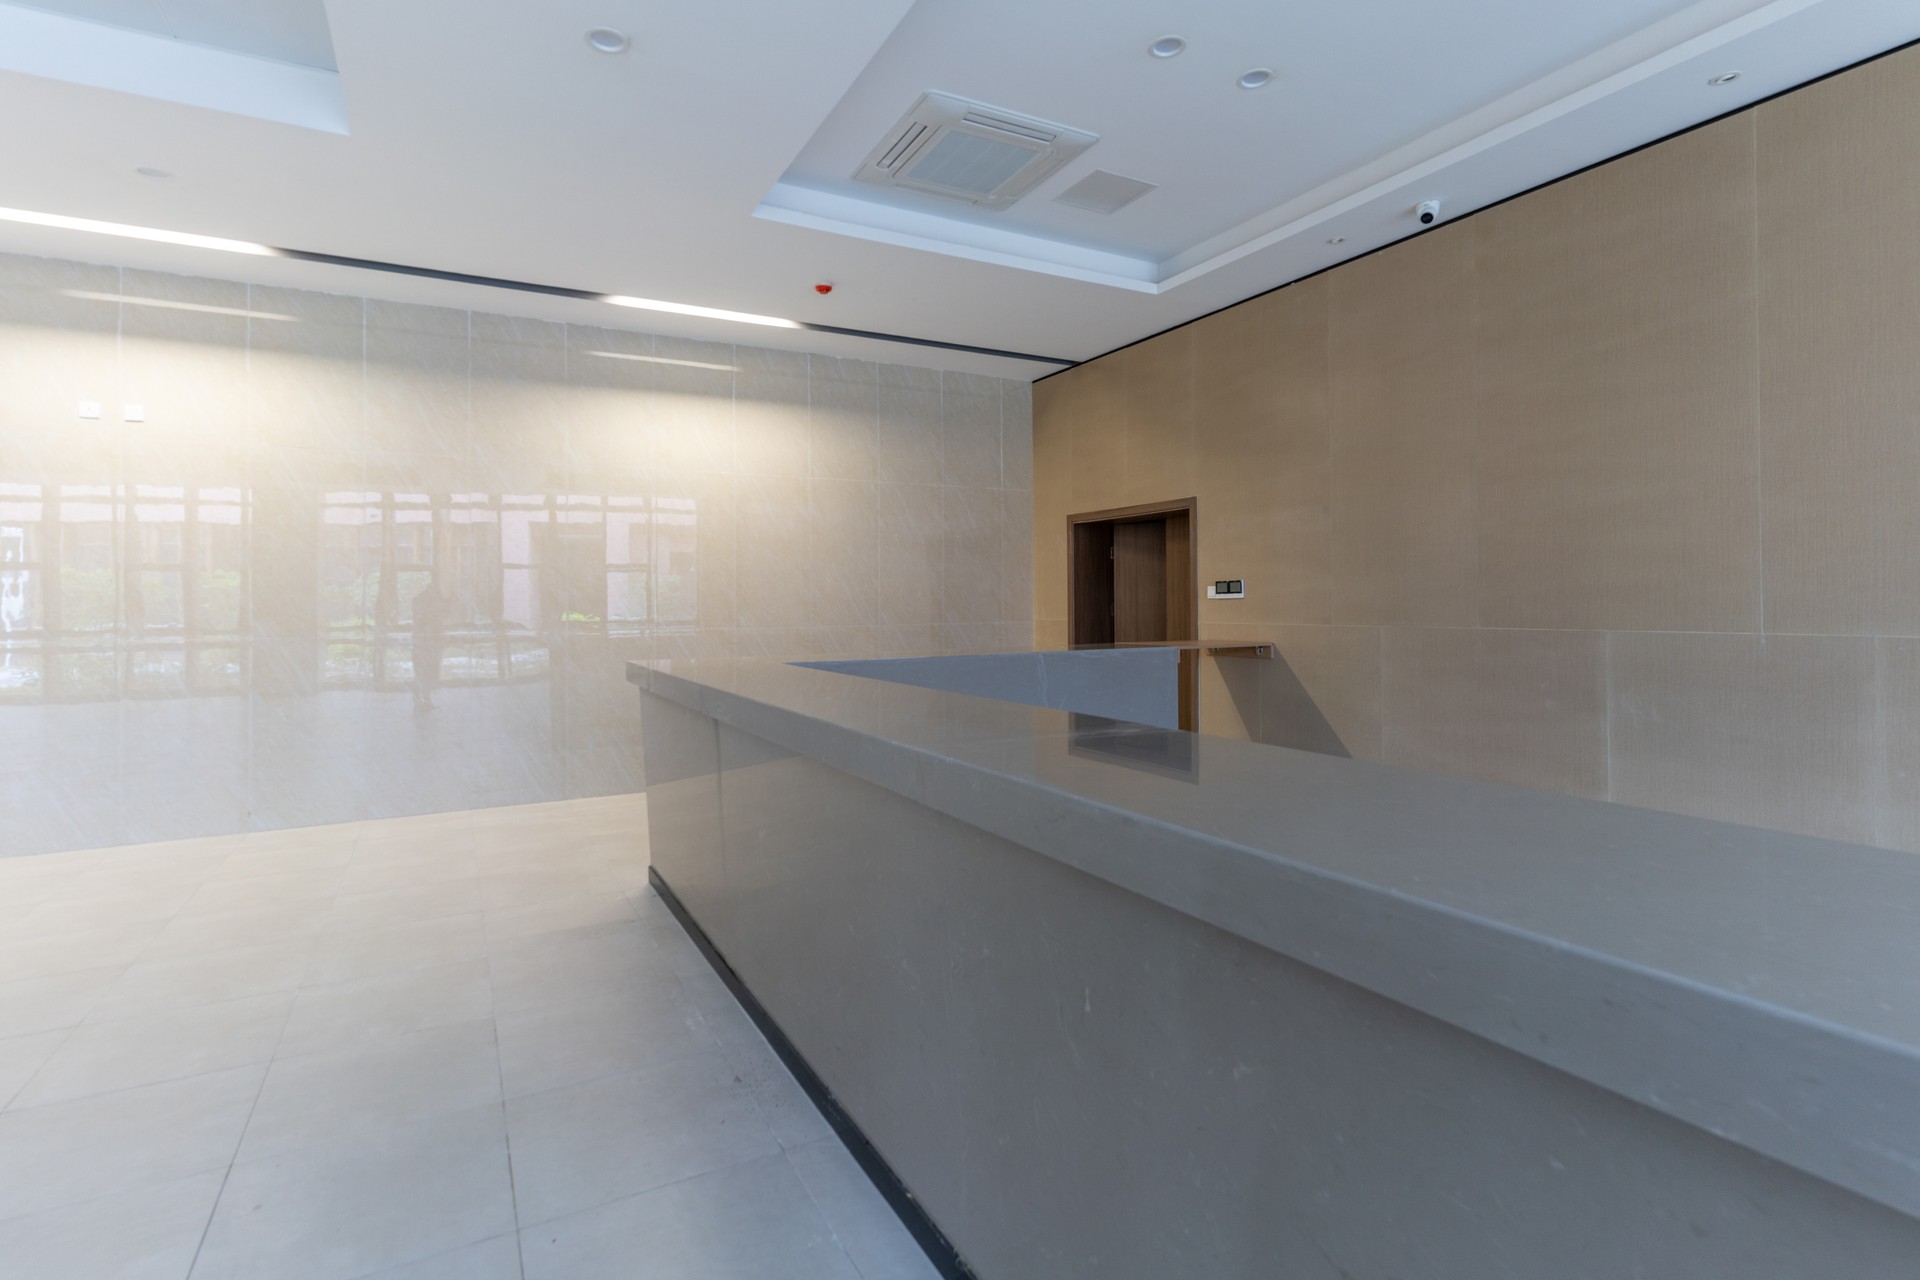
(62, 222)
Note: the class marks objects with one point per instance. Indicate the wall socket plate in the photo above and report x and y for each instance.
(1227, 589)
(90, 410)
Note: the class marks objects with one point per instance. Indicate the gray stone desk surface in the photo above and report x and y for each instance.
(1764, 987)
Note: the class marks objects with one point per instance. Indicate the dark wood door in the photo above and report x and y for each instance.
(1140, 582)
(1091, 606)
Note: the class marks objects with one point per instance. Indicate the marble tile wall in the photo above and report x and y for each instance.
(1605, 490)
(211, 620)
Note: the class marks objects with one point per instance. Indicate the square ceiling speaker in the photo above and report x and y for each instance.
(987, 157)
(1104, 192)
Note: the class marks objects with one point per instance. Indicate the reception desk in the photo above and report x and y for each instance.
(1112, 1000)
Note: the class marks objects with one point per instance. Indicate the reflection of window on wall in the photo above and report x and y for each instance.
(108, 590)
(517, 569)
(629, 559)
(22, 597)
(675, 562)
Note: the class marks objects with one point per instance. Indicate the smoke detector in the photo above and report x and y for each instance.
(969, 151)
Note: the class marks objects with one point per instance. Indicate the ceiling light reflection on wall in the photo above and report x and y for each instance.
(688, 364)
(607, 40)
(95, 226)
(171, 305)
(65, 223)
(1256, 78)
(1167, 47)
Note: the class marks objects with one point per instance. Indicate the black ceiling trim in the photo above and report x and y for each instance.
(584, 295)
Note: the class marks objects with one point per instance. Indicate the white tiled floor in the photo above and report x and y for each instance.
(467, 1045)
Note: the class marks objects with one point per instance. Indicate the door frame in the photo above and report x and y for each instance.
(1145, 511)
(1189, 663)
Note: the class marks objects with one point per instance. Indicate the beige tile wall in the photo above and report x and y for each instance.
(768, 502)
(1606, 490)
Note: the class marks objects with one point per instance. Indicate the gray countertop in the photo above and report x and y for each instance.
(1763, 986)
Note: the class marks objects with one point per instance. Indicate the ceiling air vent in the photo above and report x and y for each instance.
(947, 146)
(1104, 192)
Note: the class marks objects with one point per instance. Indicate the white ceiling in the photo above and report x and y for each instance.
(486, 137)
(1353, 81)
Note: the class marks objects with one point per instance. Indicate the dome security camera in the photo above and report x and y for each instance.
(1427, 211)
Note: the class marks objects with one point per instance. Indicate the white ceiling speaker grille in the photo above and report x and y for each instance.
(989, 158)
(1103, 192)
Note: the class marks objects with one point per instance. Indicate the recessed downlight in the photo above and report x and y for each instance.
(607, 40)
(1167, 47)
(1336, 240)
(1725, 77)
(1256, 78)
(156, 175)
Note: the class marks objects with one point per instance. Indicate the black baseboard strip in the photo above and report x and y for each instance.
(939, 1250)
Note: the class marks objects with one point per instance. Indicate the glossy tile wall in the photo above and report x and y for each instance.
(212, 620)
(1606, 490)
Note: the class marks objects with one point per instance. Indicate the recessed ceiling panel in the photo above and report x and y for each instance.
(292, 31)
(1365, 98)
(270, 59)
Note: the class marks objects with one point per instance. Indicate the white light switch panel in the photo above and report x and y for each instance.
(133, 413)
(90, 409)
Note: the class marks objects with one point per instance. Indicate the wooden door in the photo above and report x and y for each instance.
(1140, 582)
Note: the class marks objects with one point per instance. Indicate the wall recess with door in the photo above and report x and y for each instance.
(1132, 573)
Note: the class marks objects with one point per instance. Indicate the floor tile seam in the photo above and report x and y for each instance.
(305, 985)
(388, 971)
(6, 1103)
(240, 1145)
(148, 955)
(316, 903)
(9, 1109)
(92, 1003)
(7, 1219)
(377, 1272)
(544, 1006)
(396, 1264)
(61, 973)
(145, 949)
(372, 1042)
(397, 924)
(605, 1076)
(662, 1186)
(171, 1011)
(327, 931)
(239, 1140)
(32, 936)
(641, 1074)
(506, 1130)
(516, 942)
(581, 933)
(129, 1088)
(786, 1153)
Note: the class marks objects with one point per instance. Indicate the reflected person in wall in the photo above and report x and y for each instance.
(430, 609)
